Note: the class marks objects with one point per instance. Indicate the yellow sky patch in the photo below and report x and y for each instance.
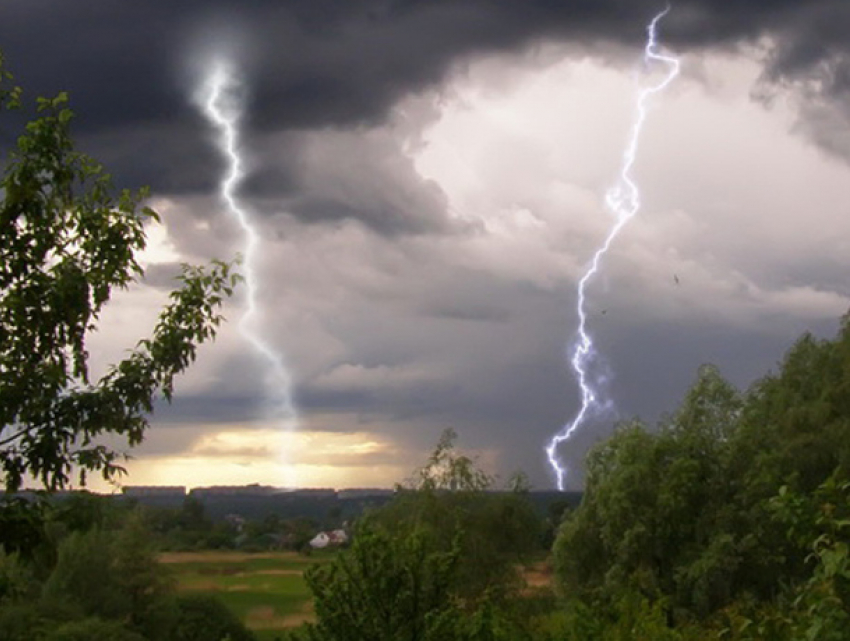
(231, 456)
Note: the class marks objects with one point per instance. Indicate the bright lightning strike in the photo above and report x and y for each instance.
(220, 101)
(623, 198)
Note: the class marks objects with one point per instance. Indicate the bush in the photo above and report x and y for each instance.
(20, 622)
(205, 618)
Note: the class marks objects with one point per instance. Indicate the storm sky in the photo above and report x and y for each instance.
(428, 181)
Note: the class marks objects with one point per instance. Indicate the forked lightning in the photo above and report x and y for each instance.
(221, 104)
(623, 198)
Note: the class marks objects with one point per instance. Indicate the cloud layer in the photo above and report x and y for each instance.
(428, 181)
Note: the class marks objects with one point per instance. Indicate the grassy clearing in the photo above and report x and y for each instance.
(266, 590)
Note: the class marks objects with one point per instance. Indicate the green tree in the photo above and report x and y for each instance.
(449, 470)
(384, 588)
(451, 502)
(67, 240)
(654, 509)
(21, 621)
(17, 582)
(109, 574)
(22, 525)
(796, 426)
(730, 519)
(107, 584)
(817, 606)
(438, 562)
(204, 618)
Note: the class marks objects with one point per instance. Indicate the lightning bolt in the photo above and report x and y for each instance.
(220, 102)
(623, 198)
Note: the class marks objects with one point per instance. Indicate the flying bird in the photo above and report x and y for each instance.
(676, 279)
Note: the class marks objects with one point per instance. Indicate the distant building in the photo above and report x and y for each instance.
(136, 491)
(313, 493)
(325, 539)
(320, 541)
(363, 493)
(255, 489)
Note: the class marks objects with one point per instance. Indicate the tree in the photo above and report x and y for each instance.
(731, 519)
(384, 588)
(67, 240)
(450, 502)
(109, 574)
(437, 563)
(796, 426)
(448, 470)
(106, 583)
(202, 617)
(653, 517)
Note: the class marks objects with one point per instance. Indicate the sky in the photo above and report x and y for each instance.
(427, 180)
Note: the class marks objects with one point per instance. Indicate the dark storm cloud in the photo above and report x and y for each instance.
(317, 64)
(335, 175)
(222, 407)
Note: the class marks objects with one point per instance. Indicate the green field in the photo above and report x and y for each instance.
(266, 590)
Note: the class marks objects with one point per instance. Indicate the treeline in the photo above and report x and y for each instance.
(189, 527)
(315, 505)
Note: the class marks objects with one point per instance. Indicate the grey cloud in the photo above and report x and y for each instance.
(343, 64)
(163, 275)
(514, 406)
(363, 175)
(470, 311)
(827, 123)
(218, 407)
(161, 155)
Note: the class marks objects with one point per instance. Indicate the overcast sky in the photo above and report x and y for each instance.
(428, 180)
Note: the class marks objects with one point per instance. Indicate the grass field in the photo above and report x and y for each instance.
(266, 590)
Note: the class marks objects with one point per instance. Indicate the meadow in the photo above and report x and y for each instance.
(265, 590)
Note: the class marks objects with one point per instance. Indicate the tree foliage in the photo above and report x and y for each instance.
(68, 239)
(104, 582)
(454, 504)
(731, 515)
(385, 588)
(204, 618)
(109, 575)
(438, 562)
